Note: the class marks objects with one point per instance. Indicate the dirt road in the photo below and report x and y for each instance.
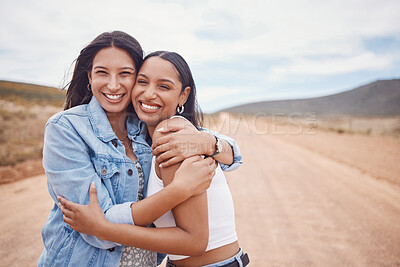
(300, 200)
(24, 207)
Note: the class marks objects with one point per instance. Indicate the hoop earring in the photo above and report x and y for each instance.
(89, 87)
(180, 109)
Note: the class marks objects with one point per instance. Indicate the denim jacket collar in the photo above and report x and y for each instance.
(102, 127)
(135, 126)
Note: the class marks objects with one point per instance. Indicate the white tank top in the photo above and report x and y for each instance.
(221, 215)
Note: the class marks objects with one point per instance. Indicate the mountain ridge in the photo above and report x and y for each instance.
(379, 98)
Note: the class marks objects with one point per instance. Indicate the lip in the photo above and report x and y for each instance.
(114, 100)
(148, 110)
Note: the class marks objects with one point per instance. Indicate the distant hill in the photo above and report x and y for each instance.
(380, 98)
(31, 93)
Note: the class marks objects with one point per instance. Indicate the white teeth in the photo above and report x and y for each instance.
(150, 107)
(114, 97)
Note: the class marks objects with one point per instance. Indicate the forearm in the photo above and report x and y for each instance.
(146, 211)
(171, 240)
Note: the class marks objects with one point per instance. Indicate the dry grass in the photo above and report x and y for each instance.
(362, 125)
(21, 139)
(24, 110)
(31, 94)
(21, 131)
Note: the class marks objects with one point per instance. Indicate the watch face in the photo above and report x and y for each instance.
(219, 145)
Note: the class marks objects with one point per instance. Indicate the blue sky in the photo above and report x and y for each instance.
(239, 51)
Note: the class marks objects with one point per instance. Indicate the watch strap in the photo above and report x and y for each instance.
(217, 147)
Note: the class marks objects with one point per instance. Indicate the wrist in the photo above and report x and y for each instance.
(215, 145)
(179, 191)
(101, 229)
(210, 144)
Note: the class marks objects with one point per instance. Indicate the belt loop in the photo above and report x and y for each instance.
(170, 264)
(238, 259)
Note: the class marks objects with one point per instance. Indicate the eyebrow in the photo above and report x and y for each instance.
(123, 68)
(163, 80)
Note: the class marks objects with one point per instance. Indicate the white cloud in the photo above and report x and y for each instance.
(333, 66)
(212, 99)
(211, 93)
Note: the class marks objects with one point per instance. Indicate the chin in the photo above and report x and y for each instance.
(115, 110)
(150, 120)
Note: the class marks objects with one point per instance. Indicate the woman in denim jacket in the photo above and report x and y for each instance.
(98, 138)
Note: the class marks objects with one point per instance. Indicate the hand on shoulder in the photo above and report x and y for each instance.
(176, 139)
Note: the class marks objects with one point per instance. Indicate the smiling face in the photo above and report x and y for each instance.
(112, 78)
(158, 91)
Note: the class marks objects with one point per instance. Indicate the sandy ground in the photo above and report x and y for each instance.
(302, 198)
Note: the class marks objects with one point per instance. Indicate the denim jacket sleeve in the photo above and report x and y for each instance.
(69, 171)
(237, 157)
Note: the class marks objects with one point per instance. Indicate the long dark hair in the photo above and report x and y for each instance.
(192, 111)
(77, 92)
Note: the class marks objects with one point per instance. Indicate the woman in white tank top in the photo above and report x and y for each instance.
(221, 216)
(206, 222)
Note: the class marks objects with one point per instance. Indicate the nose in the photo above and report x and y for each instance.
(149, 93)
(113, 83)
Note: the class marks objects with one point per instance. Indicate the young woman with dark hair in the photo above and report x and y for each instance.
(77, 94)
(98, 139)
(165, 96)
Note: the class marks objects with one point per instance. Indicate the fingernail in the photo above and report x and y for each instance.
(93, 184)
(160, 165)
(161, 129)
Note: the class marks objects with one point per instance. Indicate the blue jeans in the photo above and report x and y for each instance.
(227, 261)
(224, 262)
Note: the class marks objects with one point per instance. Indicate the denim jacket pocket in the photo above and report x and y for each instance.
(105, 168)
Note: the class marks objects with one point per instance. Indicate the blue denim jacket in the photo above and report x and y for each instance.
(80, 147)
